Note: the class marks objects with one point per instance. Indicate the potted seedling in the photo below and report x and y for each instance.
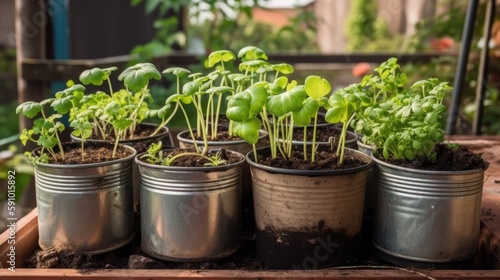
(83, 190)
(428, 193)
(129, 104)
(207, 94)
(388, 81)
(191, 197)
(304, 197)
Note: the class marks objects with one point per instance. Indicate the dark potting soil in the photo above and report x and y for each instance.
(222, 135)
(131, 256)
(323, 133)
(322, 247)
(195, 160)
(447, 159)
(140, 132)
(325, 160)
(94, 152)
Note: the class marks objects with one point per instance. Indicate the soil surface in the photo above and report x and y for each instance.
(191, 160)
(140, 132)
(323, 133)
(447, 159)
(222, 135)
(325, 160)
(94, 152)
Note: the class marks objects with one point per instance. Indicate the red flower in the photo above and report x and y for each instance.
(361, 69)
(442, 44)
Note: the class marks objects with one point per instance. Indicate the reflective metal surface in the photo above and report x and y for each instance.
(190, 214)
(429, 216)
(87, 207)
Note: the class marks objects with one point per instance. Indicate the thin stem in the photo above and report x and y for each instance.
(254, 152)
(313, 156)
(164, 123)
(117, 133)
(219, 105)
(136, 110)
(82, 148)
(304, 143)
(110, 87)
(170, 160)
(189, 128)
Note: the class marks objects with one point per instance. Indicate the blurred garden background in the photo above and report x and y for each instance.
(341, 40)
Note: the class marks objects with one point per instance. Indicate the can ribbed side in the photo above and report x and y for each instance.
(87, 208)
(290, 200)
(190, 215)
(428, 216)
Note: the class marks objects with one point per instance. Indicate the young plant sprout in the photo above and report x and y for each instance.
(343, 105)
(118, 113)
(47, 128)
(277, 106)
(155, 155)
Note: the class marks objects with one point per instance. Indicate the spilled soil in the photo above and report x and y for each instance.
(130, 256)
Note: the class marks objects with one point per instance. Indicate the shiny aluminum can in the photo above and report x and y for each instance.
(427, 216)
(190, 213)
(85, 207)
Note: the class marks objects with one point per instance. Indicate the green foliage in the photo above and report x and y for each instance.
(115, 114)
(277, 104)
(361, 24)
(224, 24)
(449, 24)
(205, 93)
(9, 120)
(343, 105)
(402, 121)
(46, 128)
(14, 164)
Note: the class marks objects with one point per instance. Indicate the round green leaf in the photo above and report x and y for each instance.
(317, 87)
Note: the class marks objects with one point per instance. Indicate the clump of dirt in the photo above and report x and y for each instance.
(131, 256)
(93, 152)
(325, 160)
(448, 158)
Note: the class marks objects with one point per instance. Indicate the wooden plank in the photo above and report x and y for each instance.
(47, 70)
(350, 274)
(25, 240)
(30, 43)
